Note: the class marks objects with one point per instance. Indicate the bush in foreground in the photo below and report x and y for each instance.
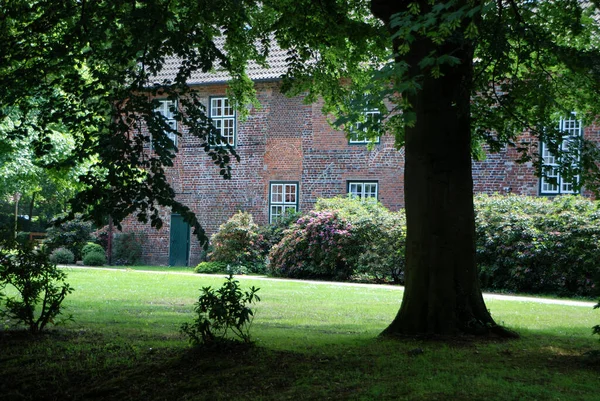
(223, 315)
(39, 283)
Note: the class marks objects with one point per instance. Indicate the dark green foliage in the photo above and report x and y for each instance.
(38, 282)
(94, 259)
(91, 247)
(238, 243)
(73, 235)
(271, 234)
(211, 267)
(538, 245)
(62, 256)
(341, 238)
(223, 315)
(596, 329)
(127, 248)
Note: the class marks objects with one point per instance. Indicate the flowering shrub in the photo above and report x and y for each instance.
(343, 237)
(379, 238)
(237, 243)
(315, 246)
(538, 245)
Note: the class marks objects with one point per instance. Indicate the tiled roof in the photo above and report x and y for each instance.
(276, 61)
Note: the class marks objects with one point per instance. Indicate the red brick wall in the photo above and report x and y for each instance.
(287, 140)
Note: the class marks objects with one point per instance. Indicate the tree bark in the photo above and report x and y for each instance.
(442, 294)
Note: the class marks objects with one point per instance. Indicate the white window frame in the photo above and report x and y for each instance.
(356, 138)
(283, 198)
(552, 183)
(167, 108)
(364, 190)
(223, 116)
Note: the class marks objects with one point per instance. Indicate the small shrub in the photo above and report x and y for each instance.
(127, 248)
(38, 283)
(94, 259)
(223, 315)
(91, 247)
(62, 256)
(220, 268)
(211, 267)
(237, 243)
(73, 235)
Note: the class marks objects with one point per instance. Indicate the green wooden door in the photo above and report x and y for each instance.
(180, 241)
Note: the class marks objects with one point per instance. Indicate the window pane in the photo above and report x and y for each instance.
(370, 190)
(290, 194)
(276, 193)
(356, 190)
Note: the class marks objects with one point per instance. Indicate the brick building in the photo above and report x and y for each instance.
(290, 156)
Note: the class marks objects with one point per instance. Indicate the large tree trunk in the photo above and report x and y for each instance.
(442, 293)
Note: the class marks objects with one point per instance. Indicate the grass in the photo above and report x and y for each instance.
(314, 341)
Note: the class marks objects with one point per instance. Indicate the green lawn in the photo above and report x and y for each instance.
(314, 341)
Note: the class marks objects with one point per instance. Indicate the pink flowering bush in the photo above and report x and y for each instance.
(539, 245)
(343, 238)
(316, 246)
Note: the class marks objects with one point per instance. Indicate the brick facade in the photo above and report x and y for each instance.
(288, 140)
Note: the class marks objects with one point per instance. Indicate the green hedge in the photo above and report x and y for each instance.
(538, 245)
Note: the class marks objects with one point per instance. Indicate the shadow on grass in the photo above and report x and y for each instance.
(77, 365)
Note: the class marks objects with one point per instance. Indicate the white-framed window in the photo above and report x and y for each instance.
(167, 109)
(552, 182)
(358, 136)
(363, 189)
(223, 115)
(283, 199)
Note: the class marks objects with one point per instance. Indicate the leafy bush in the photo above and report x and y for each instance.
(94, 259)
(91, 247)
(315, 246)
(127, 248)
(271, 234)
(237, 243)
(538, 245)
(341, 238)
(379, 236)
(62, 256)
(211, 267)
(222, 314)
(73, 235)
(38, 282)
